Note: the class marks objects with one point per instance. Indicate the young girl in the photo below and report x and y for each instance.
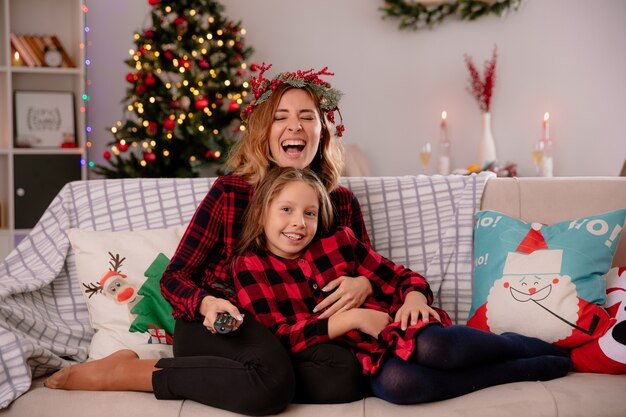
(410, 348)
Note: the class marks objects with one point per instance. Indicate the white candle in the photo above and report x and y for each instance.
(444, 146)
(546, 126)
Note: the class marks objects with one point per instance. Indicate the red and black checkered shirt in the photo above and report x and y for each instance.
(201, 264)
(281, 294)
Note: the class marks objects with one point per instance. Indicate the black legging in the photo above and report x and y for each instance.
(249, 372)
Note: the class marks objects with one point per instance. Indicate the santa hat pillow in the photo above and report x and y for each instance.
(543, 281)
(607, 354)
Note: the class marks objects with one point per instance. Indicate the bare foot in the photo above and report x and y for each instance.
(120, 371)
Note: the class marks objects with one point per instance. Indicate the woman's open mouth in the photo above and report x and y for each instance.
(293, 146)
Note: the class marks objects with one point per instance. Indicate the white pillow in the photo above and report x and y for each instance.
(111, 267)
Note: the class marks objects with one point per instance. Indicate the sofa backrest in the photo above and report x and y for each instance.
(553, 200)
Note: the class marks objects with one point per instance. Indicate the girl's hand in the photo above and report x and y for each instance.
(415, 305)
(350, 293)
(211, 306)
(372, 322)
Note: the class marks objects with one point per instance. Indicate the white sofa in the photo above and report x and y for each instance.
(545, 200)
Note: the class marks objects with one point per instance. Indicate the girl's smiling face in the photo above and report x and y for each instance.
(290, 221)
(296, 130)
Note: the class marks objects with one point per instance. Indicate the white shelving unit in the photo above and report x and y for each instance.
(39, 168)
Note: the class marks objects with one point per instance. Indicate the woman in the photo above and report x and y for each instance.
(290, 123)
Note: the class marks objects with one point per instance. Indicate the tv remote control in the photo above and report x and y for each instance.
(224, 323)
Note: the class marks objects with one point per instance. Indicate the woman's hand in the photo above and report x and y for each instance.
(211, 306)
(350, 293)
(415, 305)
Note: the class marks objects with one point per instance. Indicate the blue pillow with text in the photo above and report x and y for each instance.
(543, 281)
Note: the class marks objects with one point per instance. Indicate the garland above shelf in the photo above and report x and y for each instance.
(426, 14)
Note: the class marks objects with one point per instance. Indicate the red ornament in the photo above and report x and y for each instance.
(122, 147)
(179, 21)
(149, 33)
(131, 78)
(106, 155)
(254, 67)
(153, 2)
(201, 103)
(238, 46)
(233, 106)
(208, 154)
(169, 124)
(168, 55)
(149, 81)
(140, 89)
(204, 64)
(152, 128)
(149, 156)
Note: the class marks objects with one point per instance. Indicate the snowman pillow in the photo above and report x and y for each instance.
(543, 281)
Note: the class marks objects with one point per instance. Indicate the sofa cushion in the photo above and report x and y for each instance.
(543, 281)
(607, 354)
(119, 274)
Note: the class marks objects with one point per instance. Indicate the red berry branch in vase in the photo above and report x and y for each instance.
(482, 89)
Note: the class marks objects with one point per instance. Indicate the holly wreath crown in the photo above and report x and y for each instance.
(262, 88)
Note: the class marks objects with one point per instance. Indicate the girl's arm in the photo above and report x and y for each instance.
(369, 321)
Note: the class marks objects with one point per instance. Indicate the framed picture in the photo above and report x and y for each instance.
(44, 119)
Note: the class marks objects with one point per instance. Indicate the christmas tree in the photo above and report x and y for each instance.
(186, 87)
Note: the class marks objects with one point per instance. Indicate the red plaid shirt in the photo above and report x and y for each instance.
(201, 264)
(281, 294)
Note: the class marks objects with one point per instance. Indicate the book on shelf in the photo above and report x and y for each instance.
(32, 49)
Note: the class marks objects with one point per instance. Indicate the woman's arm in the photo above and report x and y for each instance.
(346, 292)
(387, 278)
(180, 281)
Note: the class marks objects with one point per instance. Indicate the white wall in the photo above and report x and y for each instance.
(567, 57)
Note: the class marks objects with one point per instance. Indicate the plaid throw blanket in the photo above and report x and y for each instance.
(424, 223)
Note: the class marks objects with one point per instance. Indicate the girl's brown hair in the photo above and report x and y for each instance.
(276, 179)
(250, 156)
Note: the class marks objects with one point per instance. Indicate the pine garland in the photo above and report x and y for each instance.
(417, 15)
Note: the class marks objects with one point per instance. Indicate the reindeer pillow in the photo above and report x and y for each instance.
(118, 272)
(543, 281)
